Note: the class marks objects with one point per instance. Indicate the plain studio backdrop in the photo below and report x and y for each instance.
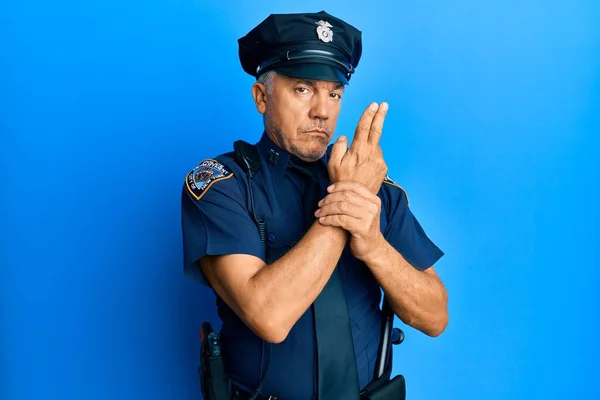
(492, 130)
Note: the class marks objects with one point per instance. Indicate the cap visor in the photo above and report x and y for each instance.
(321, 72)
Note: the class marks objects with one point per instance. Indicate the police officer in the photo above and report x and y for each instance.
(297, 238)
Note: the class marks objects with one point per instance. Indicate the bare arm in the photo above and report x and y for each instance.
(271, 298)
(417, 297)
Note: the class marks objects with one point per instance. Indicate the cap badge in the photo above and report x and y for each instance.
(324, 31)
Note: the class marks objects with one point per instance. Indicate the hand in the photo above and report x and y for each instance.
(353, 207)
(363, 161)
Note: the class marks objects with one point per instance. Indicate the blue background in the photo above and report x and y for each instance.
(492, 129)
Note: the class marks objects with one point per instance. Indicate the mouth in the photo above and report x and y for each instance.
(319, 132)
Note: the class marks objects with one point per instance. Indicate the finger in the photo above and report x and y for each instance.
(347, 196)
(343, 208)
(361, 134)
(352, 186)
(361, 208)
(377, 125)
(338, 150)
(342, 221)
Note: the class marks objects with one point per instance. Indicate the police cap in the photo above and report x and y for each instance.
(313, 46)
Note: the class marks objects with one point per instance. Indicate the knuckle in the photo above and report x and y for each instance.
(374, 208)
(346, 195)
(381, 165)
(344, 206)
(363, 127)
(376, 130)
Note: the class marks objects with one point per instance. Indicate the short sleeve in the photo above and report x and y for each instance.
(404, 232)
(217, 223)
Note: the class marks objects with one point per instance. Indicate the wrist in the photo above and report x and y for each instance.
(332, 234)
(375, 251)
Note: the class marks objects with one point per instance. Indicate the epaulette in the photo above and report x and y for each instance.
(391, 182)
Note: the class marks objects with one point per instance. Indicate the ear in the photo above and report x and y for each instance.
(259, 92)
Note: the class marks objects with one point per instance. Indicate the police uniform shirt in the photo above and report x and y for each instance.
(217, 220)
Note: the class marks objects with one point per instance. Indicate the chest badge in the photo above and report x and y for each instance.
(324, 31)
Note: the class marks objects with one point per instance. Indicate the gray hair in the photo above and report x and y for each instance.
(267, 80)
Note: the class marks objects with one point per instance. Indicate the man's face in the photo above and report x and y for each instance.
(301, 114)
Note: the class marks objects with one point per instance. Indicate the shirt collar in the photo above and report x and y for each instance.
(278, 159)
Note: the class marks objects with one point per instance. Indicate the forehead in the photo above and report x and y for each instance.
(292, 81)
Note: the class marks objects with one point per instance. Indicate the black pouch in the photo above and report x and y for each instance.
(394, 389)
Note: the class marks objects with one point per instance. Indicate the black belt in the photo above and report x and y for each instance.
(240, 394)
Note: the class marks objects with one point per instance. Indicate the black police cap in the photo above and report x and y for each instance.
(313, 46)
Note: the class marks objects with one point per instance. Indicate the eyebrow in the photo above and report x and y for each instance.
(311, 83)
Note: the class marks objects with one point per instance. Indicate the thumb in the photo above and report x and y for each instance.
(338, 150)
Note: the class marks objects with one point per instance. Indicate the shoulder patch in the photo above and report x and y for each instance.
(391, 182)
(201, 178)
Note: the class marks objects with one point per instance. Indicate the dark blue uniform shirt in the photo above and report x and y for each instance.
(217, 220)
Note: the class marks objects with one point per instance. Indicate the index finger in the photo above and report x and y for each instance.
(377, 124)
(351, 186)
(361, 135)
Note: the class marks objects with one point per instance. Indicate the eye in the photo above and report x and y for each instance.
(301, 90)
(336, 96)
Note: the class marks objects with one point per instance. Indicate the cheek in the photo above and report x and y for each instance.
(283, 117)
(335, 113)
(293, 116)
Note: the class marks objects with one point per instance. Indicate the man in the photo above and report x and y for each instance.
(300, 308)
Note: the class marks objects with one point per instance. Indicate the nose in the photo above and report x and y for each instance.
(320, 107)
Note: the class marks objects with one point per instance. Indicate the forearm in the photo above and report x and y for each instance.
(287, 288)
(418, 298)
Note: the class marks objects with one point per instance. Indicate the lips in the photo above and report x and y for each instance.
(318, 131)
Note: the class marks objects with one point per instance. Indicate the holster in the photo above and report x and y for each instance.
(394, 389)
(385, 389)
(214, 381)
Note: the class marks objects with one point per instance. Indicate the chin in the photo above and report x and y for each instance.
(310, 153)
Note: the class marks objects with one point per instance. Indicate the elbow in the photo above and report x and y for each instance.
(266, 319)
(268, 327)
(437, 328)
(270, 331)
(274, 337)
(432, 325)
(440, 323)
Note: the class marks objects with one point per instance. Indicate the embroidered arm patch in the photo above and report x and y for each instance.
(201, 178)
(389, 181)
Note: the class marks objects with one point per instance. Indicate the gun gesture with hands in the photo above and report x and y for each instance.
(357, 173)
(363, 161)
